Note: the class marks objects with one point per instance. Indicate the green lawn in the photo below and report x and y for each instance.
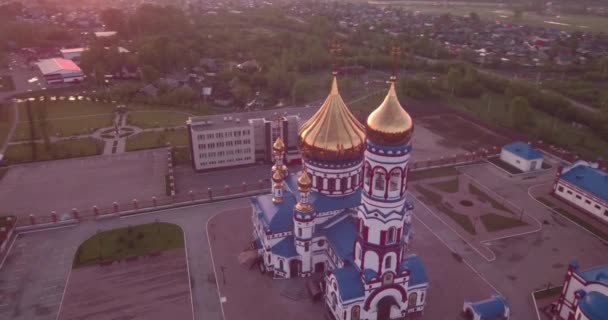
(449, 186)
(6, 83)
(485, 198)
(158, 119)
(368, 104)
(156, 139)
(434, 199)
(61, 109)
(118, 244)
(553, 292)
(65, 127)
(494, 222)
(58, 150)
(432, 173)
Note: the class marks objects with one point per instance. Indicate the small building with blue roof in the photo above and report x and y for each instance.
(494, 308)
(522, 156)
(585, 186)
(585, 294)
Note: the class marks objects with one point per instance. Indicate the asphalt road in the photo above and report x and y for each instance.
(35, 272)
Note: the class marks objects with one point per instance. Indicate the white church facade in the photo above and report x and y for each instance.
(345, 215)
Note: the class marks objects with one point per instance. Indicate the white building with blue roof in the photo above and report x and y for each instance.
(493, 308)
(584, 186)
(585, 294)
(522, 156)
(345, 215)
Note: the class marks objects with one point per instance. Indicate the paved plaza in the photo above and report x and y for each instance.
(42, 187)
(150, 288)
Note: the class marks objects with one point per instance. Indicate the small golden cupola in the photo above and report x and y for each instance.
(390, 124)
(304, 186)
(278, 148)
(333, 133)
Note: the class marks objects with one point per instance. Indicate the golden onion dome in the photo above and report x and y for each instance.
(278, 145)
(277, 176)
(332, 133)
(304, 181)
(390, 124)
(281, 168)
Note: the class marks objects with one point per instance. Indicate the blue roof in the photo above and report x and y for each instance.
(349, 283)
(593, 180)
(594, 305)
(278, 216)
(490, 309)
(368, 274)
(416, 268)
(523, 150)
(597, 274)
(323, 202)
(285, 248)
(341, 237)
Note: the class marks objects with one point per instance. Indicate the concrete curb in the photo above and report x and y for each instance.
(188, 268)
(47, 226)
(217, 284)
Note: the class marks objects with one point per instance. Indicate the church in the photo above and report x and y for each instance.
(345, 215)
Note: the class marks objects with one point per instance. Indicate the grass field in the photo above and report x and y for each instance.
(6, 83)
(118, 244)
(569, 22)
(494, 222)
(553, 292)
(485, 198)
(156, 139)
(434, 199)
(449, 186)
(64, 127)
(58, 150)
(156, 119)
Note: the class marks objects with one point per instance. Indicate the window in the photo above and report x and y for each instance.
(321, 243)
(211, 145)
(220, 144)
(395, 180)
(306, 246)
(391, 235)
(211, 154)
(200, 136)
(343, 183)
(597, 207)
(359, 253)
(606, 213)
(331, 184)
(355, 313)
(334, 300)
(569, 192)
(300, 232)
(412, 300)
(210, 136)
(587, 201)
(319, 183)
(422, 297)
(379, 180)
(230, 152)
(201, 146)
(388, 262)
(368, 175)
(579, 197)
(353, 182)
(560, 189)
(228, 134)
(237, 142)
(220, 154)
(280, 263)
(229, 143)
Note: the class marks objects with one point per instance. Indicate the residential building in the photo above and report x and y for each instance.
(72, 54)
(494, 308)
(227, 141)
(345, 216)
(522, 156)
(584, 186)
(585, 294)
(59, 70)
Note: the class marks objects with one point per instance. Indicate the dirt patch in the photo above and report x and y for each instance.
(458, 132)
(152, 288)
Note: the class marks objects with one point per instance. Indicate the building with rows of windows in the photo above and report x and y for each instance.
(584, 186)
(228, 141)
(346, 215)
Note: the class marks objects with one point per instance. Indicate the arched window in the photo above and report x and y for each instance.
(343, 183)
(353, 181)
(300, 232)
(319, 184)
(368, 174)
(379, 180)
(280, 264)
(360, 226)
(388, 262)
(391, 235)
(334, 301)
(331, 184)
(395, 180)
(355, 313)
(359, 253)
(412, 300)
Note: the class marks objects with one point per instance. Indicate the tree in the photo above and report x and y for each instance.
(453, 77)
(149, 74)
(44, 125)
(241, 92)
(182, 95)
(518, 13)
(519, 112)
(30, 119)
(474, 17)
(100, 74)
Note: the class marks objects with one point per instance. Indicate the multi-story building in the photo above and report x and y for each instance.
(228, 141)
(346, 215)
(584, 186)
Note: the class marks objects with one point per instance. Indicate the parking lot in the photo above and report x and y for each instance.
(39, 188)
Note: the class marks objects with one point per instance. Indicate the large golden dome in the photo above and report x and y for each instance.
(333, 133)
(390, 124)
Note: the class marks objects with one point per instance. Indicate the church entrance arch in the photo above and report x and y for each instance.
(384, 307)
(319, 267)
(294, 268)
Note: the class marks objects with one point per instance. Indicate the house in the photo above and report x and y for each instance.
(494, 308)
(105, 34)
(249, 66)
(522, 156)
(584, 186)
(585, 294)
(72, 54)
(149, 90)
(59, 70)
